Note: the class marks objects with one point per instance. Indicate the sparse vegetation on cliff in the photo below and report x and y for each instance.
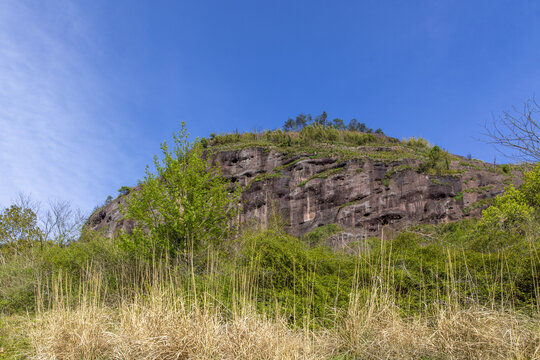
(318, 141)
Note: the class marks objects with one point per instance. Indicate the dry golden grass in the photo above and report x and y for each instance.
(163, 326)
(158, 328)
(473, 333)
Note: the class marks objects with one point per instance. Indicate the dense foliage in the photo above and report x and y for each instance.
(184, 205)
(516, 210)
(18, 228)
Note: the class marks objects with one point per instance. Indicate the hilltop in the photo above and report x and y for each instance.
(361, 182)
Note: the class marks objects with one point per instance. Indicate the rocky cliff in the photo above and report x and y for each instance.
(363, 194)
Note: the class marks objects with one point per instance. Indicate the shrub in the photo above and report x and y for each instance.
(279, 137)
(185, 205)
(17, 284)
(204, 143)
(418, 143)
(94, 250)
(317, 133)
(320, 234)
(517, 207)
(303, 281)
(358, 139)
(438, 161)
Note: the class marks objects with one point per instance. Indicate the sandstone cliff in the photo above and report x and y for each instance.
(362, 194)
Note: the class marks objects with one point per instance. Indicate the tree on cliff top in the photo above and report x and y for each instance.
(186, 204)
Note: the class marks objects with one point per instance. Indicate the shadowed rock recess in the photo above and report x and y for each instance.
(363, 195)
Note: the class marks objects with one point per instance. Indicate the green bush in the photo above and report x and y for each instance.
(185, 205)
(517, 209)
(438, 161)
(124, 190)
(301, 280)
(416, 142)
(279, 137)
(320, 234)
(358, 139)
(18, 285)
(317, 133)
(204, 143)
(92, 250)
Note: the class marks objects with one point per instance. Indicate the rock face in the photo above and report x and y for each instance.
(363, 196)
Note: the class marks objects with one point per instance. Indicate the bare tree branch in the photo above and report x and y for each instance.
(25, 201)
(518, 131)
(61, 223)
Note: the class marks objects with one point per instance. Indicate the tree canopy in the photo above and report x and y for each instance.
(18, 227)
(303, 120)
(185, 204)
(518, 207)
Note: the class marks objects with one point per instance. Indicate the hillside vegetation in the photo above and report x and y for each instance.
(189, 282)
(320, 141)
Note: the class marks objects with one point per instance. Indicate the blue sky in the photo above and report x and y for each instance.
(89, 89)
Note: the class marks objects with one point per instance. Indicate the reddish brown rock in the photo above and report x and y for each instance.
(361, 195)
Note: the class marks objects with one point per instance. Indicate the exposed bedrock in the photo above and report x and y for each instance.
(361, 195)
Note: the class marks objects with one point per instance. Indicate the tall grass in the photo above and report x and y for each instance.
(309, 135)
(224, 310)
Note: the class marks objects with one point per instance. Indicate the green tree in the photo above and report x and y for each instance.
(321, 119)
(289, 125)
(124, 190)
(338, 124)
(354, 125)
(517, 208)
(184, 205)
(18, 228)
(301, 121)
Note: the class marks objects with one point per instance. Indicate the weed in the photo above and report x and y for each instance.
(322, 175)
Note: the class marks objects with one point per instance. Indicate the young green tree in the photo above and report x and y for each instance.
(301, 121)
(321, 119)
(517, 208)
(18, 228)
(184, 205)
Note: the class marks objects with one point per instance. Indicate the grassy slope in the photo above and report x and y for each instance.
(457, 292)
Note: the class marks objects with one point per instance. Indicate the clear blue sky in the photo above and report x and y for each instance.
(89, 89)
